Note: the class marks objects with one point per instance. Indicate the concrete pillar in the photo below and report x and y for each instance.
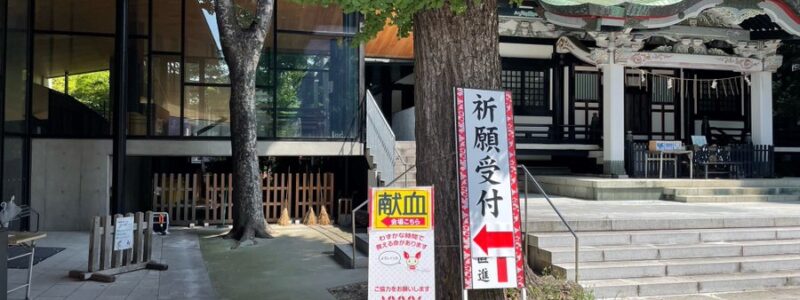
(761, 107)
(613, 119)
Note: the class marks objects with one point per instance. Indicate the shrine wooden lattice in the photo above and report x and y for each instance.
(206, 198)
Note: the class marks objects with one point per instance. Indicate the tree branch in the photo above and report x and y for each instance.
(260, 28)
(229, 30)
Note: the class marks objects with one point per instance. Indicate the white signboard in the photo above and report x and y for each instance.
(401, 245)
(491, 236)
(123, 233)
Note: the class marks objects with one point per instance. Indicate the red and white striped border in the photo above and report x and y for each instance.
(512, 170)
(462, 185)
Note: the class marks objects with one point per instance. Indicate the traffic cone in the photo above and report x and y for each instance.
(324, 219)
(311, 218)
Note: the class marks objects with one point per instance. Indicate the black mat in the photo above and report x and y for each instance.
(41, 254)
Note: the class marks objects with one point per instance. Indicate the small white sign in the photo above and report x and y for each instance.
(401, 244)
(401, 265)
(123, 233)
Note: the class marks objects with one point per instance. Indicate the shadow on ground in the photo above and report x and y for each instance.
(296, 264)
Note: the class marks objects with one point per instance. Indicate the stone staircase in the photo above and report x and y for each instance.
(656, 260)
(731, 194)
(406, 157)
(343, 253)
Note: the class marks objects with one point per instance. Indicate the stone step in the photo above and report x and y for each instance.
(686, 285)
(663, 237)
(343, 253)
(362, 243)
(545, 171)
(625, 224)
(736, 198)
(678, 267)
(693, 191)
(561, 255)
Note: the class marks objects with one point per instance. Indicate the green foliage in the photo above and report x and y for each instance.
(548, 287)
(91, 89)
(396, 12)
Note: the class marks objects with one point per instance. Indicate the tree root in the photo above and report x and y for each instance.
(249, 232)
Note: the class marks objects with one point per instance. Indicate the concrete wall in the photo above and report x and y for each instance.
(403, 125)
(223, 148)
(70, 180)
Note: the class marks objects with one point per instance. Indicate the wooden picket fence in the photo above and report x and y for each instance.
(105, 262)
(206, 199)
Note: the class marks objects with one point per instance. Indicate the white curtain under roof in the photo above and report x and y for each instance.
(611, 2)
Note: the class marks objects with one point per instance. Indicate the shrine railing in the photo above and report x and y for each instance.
(739, 160)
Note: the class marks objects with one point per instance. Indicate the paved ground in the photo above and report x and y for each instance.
(186, 278)
(296, 264)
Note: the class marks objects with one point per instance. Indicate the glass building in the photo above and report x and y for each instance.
(59, 64)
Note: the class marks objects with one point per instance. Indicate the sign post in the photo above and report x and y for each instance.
(123, 233)
(490, 219)
(401, 244)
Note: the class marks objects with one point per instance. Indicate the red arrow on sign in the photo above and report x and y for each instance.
(494, 239)
(388, 221)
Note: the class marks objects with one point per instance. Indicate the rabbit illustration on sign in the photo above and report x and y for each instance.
(412, 262)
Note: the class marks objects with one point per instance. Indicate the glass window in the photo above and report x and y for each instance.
(528, 90)
(16, 77)
(138, 16)
(137, 87)
(264, 113)
(204, 59)
(300, 17)
(166, 95)
(167, 25)
(207, 111)
(76, 15)
(317, 86)
(71, 88)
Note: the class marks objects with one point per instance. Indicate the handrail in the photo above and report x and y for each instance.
(405, 167)
(401, 175)
(541, 190)
(380, 139)
(353, 223)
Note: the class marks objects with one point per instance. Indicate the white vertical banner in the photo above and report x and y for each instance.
(491, 235)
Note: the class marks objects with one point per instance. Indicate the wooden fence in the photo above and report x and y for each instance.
(193, 198)
(105, 261)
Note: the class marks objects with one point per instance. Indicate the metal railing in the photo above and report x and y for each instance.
(529, 176)
(406, 167)
(380, 139)
(353, 223)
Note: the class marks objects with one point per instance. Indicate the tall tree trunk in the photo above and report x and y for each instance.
(451, 50)
(242, 50)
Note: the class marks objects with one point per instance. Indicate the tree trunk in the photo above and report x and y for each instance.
(248, 214)
(451, 50)
(242, 50)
